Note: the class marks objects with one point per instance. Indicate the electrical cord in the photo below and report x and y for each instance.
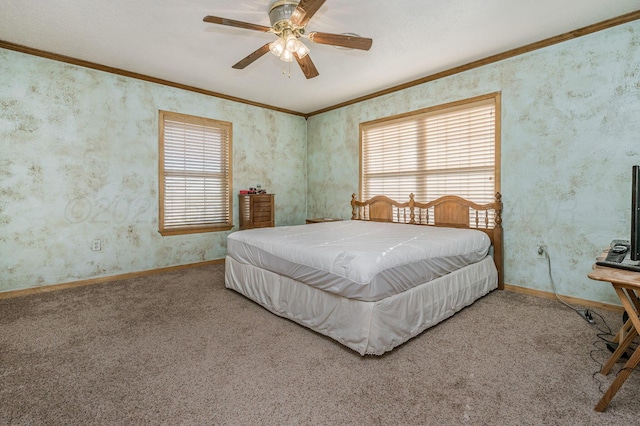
(605, 336)
(584, 313)
(603, 345)
(602, 334)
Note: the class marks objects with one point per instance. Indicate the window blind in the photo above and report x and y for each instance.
(195, 171)
(431, 153)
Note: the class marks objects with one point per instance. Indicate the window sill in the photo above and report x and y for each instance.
(194, 230)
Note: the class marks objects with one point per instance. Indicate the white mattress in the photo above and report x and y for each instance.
(359, 260)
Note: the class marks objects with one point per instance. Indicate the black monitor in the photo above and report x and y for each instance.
(635, 215)
(625, 254)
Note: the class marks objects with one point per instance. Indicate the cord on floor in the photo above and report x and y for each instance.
(604, 344)
(586, 314)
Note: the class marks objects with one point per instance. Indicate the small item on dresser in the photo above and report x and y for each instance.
(252, 191)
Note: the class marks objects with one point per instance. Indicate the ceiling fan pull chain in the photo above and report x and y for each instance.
(284, 69)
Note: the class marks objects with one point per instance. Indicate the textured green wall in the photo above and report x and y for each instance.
(79, 161)
(570, 134)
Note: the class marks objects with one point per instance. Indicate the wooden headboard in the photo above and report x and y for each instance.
(449, 211)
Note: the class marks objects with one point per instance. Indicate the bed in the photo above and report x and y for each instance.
(379, 279)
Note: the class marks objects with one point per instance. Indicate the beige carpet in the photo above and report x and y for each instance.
(179, 348)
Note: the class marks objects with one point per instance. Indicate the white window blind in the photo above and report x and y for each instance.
(195, 174)
(431, 153)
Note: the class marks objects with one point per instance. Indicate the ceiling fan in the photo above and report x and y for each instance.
(288, 21)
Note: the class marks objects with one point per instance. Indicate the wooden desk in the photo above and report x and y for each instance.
(627, 287)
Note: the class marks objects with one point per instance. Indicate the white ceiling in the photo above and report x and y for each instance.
(411, 39)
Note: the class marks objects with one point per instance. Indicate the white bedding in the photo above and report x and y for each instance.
(366, 327)
(366, 261)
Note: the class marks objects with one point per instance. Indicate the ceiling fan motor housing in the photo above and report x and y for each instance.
(281, 11)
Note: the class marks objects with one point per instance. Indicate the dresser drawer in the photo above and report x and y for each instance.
(256, 210)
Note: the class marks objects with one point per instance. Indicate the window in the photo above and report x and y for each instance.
(452, 149)
(195, 174)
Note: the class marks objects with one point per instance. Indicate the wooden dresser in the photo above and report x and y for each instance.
(256, 210)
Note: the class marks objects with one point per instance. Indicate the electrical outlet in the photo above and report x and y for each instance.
(96, 245)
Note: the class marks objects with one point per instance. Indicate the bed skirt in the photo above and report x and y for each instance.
(366, 327)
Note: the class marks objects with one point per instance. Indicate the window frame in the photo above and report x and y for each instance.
(165, 230)
(494, 98)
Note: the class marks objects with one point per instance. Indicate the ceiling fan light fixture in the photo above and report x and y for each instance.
(277, 47)
(295, 45)
(292, 43)
(285, 46)
(286, 56)
(297, 15)
(302, 50)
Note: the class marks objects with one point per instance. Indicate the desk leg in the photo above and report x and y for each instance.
(622, 346)
(619, 337)
(633, 295)
(631, 304)
(617, 383)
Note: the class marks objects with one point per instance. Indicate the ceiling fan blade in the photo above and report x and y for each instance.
(232, 23)
(305, 10)
(252, 57)
(307, 66)
(343, 40)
